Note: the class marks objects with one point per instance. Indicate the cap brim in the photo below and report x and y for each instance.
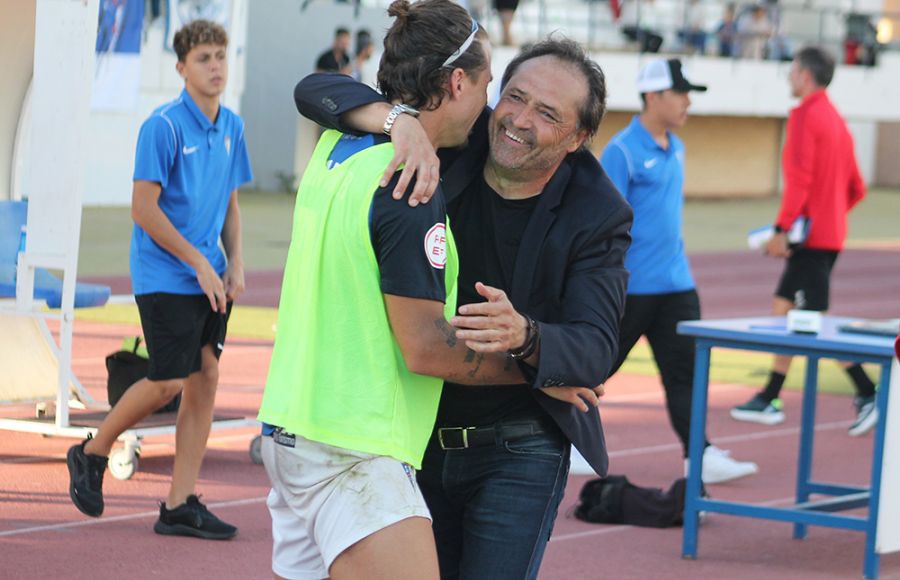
(687, 87)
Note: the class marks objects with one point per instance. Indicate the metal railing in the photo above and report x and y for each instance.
(591, 22)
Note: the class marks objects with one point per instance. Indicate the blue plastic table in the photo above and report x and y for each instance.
(769, 334)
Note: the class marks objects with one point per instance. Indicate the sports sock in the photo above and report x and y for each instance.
(773, 387)
(864, 385)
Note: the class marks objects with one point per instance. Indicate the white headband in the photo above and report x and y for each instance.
(463, 47)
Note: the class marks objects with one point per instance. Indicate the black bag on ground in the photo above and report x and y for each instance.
(615, 500)
(126, 367)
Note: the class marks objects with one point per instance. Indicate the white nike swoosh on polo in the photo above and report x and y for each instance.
(649, 163)
(188, 150)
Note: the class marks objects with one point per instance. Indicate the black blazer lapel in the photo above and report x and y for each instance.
(469, 163)
(535, 232)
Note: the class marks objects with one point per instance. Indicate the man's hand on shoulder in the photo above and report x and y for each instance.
(414, 151)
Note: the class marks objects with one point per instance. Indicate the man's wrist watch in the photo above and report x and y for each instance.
(778, 229)
(398, 110)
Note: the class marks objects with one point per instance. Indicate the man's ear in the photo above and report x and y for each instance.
(456, 82)
(580, 138)
(179, 66)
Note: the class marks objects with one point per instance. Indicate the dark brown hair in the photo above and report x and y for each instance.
(818, 62)
(422, 37)
(571, 53)
(196, 33)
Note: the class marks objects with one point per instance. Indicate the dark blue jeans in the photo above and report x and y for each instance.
(493, 507)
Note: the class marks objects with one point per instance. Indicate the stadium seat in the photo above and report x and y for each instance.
(13, 215)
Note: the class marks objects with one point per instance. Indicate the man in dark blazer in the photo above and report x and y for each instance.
(541, 235)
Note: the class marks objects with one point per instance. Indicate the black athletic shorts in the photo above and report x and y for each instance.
(176, 328)
(806, 277)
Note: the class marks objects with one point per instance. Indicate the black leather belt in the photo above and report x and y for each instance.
(451, 438)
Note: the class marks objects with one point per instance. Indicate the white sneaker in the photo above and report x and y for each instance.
(866, 416)
(719, 466)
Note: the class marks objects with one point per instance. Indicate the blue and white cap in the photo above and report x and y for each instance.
(660, 75)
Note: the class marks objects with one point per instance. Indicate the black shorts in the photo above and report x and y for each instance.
(806, 278)
(176, 328)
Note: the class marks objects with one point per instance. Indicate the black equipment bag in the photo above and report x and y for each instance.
(126, 367)
(615, 500)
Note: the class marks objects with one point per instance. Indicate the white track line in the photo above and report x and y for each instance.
(137, 516)
(622, 528)
(659, 393)
(732, 439)
(214, 442)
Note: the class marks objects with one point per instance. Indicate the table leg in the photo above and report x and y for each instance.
(695, 450)
(872, 560)
(807, 430)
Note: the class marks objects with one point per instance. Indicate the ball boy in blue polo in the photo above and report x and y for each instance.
(646, 163)
(190, 160)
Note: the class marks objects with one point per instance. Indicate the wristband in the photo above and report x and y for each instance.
(532, 339)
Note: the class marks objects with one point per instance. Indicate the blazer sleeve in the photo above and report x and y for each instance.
(324, 97)
(581, 349)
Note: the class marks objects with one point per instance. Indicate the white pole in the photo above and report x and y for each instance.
(64, 43)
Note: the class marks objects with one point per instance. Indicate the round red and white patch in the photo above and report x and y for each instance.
(436, 246)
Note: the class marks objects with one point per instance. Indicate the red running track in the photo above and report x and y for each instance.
(43, 536)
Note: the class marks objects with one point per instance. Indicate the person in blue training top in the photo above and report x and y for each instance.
(191, 158)
(646, 163)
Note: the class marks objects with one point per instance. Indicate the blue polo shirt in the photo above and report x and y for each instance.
(198, 164)
(652, 180)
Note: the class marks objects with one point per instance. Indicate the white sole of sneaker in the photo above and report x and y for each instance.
(749, 469)
(867, 425)
(753, 417)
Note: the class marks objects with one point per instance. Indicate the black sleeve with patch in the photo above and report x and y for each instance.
(407, 243)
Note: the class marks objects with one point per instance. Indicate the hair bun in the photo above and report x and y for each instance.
(399, 9)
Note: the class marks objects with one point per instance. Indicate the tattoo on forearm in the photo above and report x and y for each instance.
(473, 360)
(449, 333)
(478, 358)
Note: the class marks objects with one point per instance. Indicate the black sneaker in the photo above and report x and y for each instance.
(192, 519)
(759, 410)
(86, 479)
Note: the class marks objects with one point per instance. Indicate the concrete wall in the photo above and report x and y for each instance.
(283, 45)
(17, 63)
(725, 155)
(112, 135)
(888, 168)
(730, 137)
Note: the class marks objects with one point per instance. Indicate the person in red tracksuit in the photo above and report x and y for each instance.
(822, 184)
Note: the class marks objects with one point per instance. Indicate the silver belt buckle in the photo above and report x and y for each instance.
(464, 433)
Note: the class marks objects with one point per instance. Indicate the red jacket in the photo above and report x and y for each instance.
(821, 178)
